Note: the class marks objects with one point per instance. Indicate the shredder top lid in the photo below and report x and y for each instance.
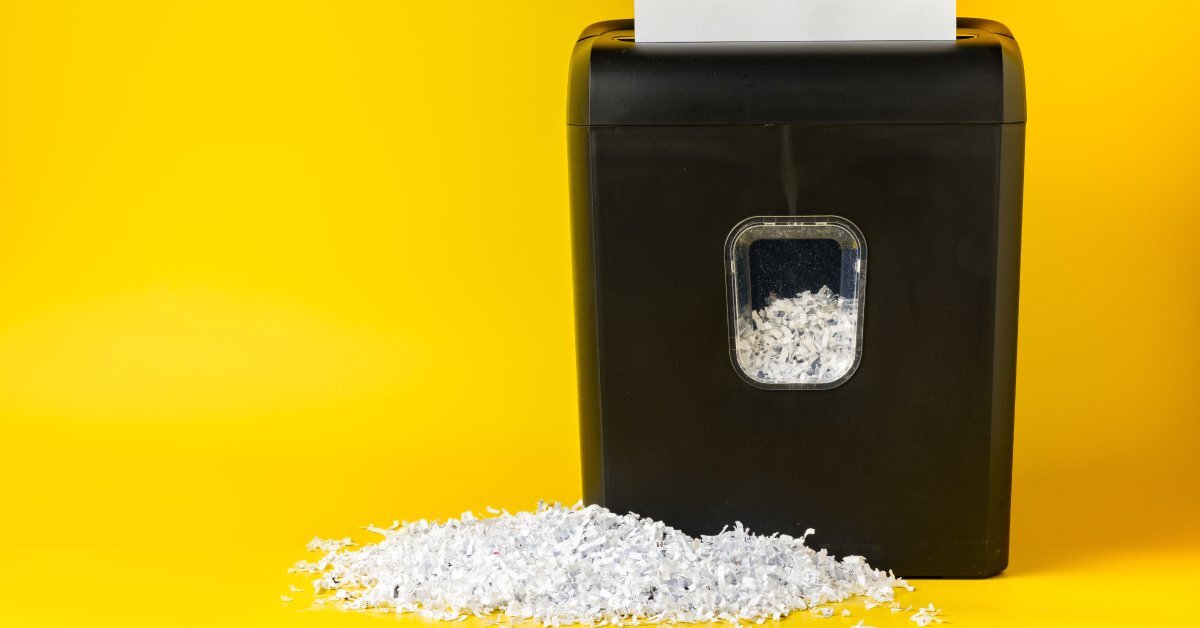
(976, 79)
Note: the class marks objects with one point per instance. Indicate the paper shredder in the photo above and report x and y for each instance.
(796, 278)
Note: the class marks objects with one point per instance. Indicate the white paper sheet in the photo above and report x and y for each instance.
(793, 20)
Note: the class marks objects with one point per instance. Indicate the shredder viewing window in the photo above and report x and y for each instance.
(796, 294)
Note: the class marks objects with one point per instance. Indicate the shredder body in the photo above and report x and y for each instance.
(919, 146)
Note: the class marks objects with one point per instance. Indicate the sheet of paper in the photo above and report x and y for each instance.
(793, 20)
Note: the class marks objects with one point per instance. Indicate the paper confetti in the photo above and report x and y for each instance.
(927, 615)
(807, 339)
(564, 565)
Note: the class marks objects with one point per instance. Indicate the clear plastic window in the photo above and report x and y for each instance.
(796, 294)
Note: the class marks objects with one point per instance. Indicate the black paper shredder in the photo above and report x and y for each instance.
(796, 280)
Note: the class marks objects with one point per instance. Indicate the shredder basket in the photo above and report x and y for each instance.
(741, 356)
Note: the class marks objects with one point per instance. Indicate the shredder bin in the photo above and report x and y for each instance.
(796, 278)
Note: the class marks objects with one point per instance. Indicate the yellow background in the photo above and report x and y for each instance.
(272, 269)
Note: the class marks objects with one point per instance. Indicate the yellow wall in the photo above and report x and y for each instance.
(270, 269)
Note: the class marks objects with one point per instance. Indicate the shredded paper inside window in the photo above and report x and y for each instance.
(806, 339)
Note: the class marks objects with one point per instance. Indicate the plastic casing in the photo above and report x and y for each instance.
(919, 144)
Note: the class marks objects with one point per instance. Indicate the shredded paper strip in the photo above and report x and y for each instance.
(564, 565)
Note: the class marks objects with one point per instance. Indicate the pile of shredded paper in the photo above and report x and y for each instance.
(807, 339)
(564, 565)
